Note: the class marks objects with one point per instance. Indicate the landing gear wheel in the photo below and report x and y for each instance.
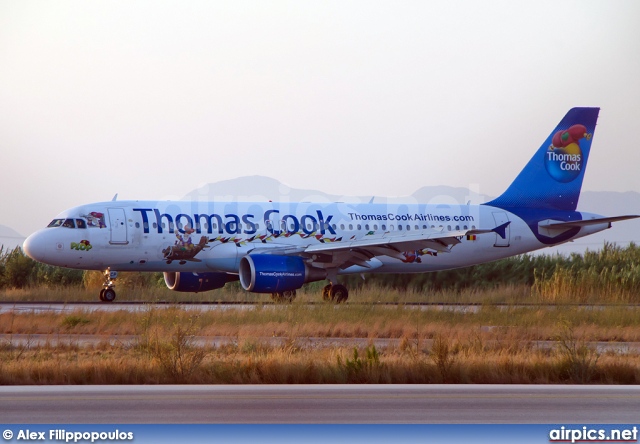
(339, 293)
(285, 296)
(289, 296)
(108, 295)
(326, 293)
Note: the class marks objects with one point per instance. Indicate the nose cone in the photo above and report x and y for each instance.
(34, 247)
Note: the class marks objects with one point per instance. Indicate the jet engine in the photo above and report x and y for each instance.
(196, 282)
(266, 273)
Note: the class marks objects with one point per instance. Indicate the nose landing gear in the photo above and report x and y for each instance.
(108, 294)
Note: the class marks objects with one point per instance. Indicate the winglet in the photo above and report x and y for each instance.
(502, 230)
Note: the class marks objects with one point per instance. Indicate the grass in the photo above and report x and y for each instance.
(488, 345)
(248, 362)
(607, 323)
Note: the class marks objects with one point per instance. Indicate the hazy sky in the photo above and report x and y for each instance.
(153, 99)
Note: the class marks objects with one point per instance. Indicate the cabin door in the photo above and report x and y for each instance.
(118, 226)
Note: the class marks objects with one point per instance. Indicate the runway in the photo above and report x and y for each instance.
(132, 306)
(321, 404)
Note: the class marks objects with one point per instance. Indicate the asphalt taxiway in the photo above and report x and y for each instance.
(308, 404)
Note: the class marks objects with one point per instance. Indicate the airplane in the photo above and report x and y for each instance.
(275, 248)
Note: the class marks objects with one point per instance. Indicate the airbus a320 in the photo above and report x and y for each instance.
(278, 247)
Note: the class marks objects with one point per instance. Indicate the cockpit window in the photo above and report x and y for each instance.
(55, 223)
(68, 223)
(80, 223)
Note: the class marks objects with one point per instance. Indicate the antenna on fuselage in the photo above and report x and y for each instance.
(372, 197)
(115, 198)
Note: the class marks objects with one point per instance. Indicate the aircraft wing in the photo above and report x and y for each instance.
(359, 252)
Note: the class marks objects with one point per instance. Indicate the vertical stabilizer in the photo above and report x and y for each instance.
(553, 177)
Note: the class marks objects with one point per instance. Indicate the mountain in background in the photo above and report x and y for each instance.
(606, 203)
(10, 238)
(262, 188)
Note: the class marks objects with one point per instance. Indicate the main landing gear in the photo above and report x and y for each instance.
(108, 294)
(331, 293)
(335, 292)
(285, 296)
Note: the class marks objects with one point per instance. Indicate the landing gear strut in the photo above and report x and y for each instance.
(108, 294)
(336, 293)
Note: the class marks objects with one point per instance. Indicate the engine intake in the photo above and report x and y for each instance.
(265, 273)
(196, 282)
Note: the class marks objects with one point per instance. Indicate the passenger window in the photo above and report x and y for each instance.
(366, 227)
(399, 227)
(342, 226)
(68, 223)
(384, 227)
(155, 225)
(80, 223)
(137, 225)
(359, 227)
(375, 227)
(350, 226)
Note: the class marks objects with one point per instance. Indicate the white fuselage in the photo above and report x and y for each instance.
(182, 236)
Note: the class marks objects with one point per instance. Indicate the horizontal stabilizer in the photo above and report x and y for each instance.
(554, 228)
(583, 223)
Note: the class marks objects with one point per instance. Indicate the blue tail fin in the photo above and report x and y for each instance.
(553, 177)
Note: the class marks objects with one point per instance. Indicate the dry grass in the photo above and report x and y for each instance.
(251, 362)
(344, 321)
(491, 345)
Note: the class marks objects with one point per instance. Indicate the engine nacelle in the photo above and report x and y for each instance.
(266, 273)
(196, 282)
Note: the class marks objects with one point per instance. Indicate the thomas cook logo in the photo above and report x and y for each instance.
(564, 159)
